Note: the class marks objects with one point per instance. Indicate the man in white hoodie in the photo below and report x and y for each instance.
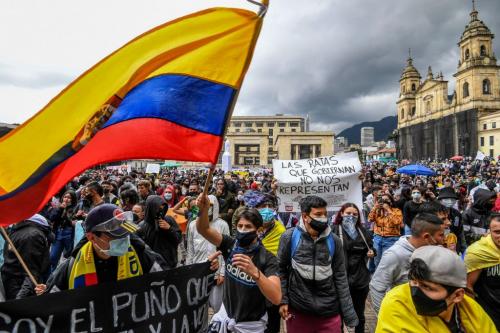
(426, 229)
(198, 249)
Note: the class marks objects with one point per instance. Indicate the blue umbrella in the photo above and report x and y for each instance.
(416, 169)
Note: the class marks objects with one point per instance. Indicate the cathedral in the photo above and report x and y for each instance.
(433, 124)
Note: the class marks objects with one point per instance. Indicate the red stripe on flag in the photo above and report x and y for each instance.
(132, 139)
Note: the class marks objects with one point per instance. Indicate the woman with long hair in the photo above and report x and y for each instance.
(357, 246)
(61, 216)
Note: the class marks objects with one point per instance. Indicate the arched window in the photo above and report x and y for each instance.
(413, 87)
(483, 50)
(466, 90)
(403, 88)
(413, 110)
(467, 54)
(402, 113)
(486, 87)
(428, 106)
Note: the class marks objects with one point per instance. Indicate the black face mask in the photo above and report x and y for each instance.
(318, 225)
(192, 194)
(245, 238)
(106, 190)
(425, 305)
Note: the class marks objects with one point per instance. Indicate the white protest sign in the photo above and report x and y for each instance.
(152, 168)
(333, 178)
(480, 156)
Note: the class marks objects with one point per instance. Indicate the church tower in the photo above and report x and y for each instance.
(409, 84)
(477, 74)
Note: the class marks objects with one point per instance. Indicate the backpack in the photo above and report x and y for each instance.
(296, 235)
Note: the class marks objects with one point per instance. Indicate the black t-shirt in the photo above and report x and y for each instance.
(243, 299)
(107, 270)
(487, 288)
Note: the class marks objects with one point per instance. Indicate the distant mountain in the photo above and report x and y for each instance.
(383, 128)
(6, 128)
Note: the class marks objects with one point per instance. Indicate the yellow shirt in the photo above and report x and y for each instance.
(397, 314)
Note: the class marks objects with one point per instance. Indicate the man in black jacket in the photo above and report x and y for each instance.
(475, 219)
(313, 275)
(31, 239)
(160, 231)
(108, 253)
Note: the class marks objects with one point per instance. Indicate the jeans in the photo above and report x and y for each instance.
(380, 244)
(358, 301)
(407, 230)
(63, 242)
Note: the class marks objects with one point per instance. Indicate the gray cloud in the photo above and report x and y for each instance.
(340, 61)
(36, 78)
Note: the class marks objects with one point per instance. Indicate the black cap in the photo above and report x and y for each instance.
(447, 193)
(114, 216)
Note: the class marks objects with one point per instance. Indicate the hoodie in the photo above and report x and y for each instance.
(161, 241)
(391, 271)
(475, 219)
(198, 248)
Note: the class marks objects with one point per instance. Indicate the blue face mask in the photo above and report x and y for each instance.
(267, 214)
(118, 247)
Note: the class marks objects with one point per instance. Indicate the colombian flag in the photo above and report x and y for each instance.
(167, 94)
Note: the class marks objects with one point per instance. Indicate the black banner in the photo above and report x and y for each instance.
(173, 301)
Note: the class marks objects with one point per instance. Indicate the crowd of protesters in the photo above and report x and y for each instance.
(424, 250)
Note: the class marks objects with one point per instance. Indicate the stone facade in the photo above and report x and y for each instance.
(433, 124)
(257, 140)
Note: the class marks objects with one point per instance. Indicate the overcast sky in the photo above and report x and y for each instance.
(339, 61)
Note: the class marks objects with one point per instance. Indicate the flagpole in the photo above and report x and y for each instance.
(264, 4)
(18, 255)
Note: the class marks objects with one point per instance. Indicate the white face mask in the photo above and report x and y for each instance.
(168, 196)
(448, 203)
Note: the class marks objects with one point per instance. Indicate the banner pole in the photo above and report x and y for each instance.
(13, 248)
(209, 178)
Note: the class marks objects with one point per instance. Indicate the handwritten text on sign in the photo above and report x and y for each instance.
(334, 178)
(170, 301)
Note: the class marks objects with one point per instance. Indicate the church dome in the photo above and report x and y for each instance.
(475, 27)
(410, 71)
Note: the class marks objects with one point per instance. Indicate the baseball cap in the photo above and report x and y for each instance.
(111, 219)
(445, 266)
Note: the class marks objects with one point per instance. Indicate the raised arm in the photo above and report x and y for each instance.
(202, 225)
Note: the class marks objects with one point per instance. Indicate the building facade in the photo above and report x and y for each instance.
(433, 124)
(367, 136)
(257, 140)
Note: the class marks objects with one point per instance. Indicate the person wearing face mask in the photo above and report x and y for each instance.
(483, 270)
(270, 235)
(198, 249)
(108, 196)
(169, 196)
(435, 299)
(388, 222)
(412, 208)
(313, 276)
(427, 229)
(160, 231)
(251, 273)
(109, 252)
(450, 238)
(63, 228)
(357, 245)
(475, 219)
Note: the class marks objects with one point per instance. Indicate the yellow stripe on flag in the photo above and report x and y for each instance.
(213, 44)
